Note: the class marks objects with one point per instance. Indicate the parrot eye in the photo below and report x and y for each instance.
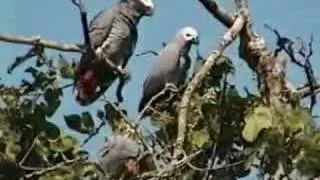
(188, 35)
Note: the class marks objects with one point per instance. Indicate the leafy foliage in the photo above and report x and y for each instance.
(227, 133)
(29, 139)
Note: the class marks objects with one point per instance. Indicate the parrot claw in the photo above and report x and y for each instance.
(126, 73)
(171, 87)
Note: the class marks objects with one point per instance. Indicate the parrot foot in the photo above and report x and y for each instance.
(171, 87)
(126, 73)
(122, 82)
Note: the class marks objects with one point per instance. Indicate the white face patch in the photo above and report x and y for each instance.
(147, 3)
(189, 33)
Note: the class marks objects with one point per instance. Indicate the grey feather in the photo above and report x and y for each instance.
(171, 66)
(116, 153)
(101, 25)
(113, 34)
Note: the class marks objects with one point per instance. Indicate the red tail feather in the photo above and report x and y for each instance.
(87, 86)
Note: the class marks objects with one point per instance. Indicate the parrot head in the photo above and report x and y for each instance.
(145, 7)
(189, 34)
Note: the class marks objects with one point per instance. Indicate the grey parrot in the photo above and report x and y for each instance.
(171, 65)
(117, 153)
(113, 34)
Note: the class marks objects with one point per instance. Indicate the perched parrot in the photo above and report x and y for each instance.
(119, 152)
(171, 65)
(113, 34)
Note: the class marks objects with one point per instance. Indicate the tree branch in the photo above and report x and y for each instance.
(218, 12)
(38, 41)
(167, 87)
(307, 91)
(198, 78)
(269, 68)
(300, 57)
(53, 168)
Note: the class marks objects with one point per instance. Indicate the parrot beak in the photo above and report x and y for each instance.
(196, 41)
(149, 11)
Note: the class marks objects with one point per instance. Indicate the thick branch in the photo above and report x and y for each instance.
(218, 12)
(198, 78)
(38, 41)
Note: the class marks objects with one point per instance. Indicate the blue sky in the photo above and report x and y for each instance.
(59, 20)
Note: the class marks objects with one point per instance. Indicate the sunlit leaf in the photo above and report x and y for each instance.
(58, 174)
(64, 144)
(259, 119)
(200, 138)
(298, 119)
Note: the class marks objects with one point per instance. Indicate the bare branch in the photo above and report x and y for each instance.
(38, 41)
(28, 152)
(147, 52)
(218, 12)
(300, 57)
(167, 87)
(170, 169)
(307, 91)
(198, 78)
(49, 169)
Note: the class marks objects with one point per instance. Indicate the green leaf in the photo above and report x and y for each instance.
(88, 121)
(64, 144)
(66, 70)
(38, 119)
(298, 119)
(52, 98)
(200, 138)
(259, 119)
(52, 131)
(33, 71)
(83, 124)
(111, 112)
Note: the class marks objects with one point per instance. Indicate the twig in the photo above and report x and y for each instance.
(38, 41)
(147, 52)
(28, 152)
(34, 51)
(286, 45)
(170, 169)
(96, 131)
(306, 91)
(198, 78)
(168, 86)
(221, 109)
(66, 86)
(49, 169)
(85, 28)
